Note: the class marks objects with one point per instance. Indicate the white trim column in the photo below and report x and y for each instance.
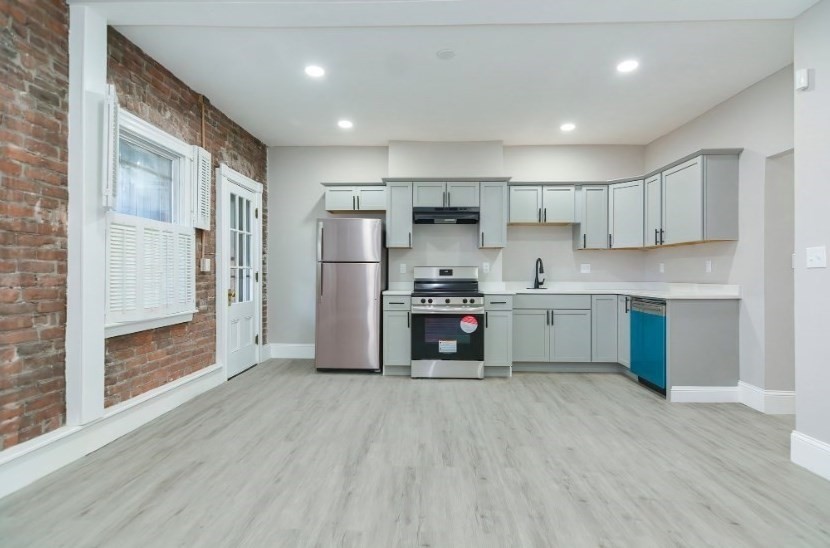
(86, 227)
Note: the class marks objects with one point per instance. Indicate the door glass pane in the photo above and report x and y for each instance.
(233, 211)
(240, 220)
(247, 216)
(145, 183)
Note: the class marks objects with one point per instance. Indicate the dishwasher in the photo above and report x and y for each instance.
(648, 342)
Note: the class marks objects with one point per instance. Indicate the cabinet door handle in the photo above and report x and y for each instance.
(449, 199)
(498, 302)
(482, 239)
(547, 317)
(395, 302)
(358, 203)
(546, 214)
(662, 239)
(552, 318)
(353, 206)
(407, 318)
(486, 323)
(539, 215)
(609, 241)
(626, 305)
(655, 236)
(584, 241)
(410, 239)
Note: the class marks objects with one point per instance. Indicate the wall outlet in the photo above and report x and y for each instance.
(708, 266)
(662, 268)
(485, 267)
(817, 257)
(402, 268)
(802, 79)
(585, 268)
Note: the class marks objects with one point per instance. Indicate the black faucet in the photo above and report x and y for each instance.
(540, 269)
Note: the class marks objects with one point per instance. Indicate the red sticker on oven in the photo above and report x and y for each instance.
(469, 324)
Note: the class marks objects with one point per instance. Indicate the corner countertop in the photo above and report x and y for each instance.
(652, 290)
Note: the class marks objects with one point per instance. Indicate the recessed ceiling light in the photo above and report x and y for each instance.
(314, 71)
(445, 54)
(628, 65)
(345, 124)
(568, 126)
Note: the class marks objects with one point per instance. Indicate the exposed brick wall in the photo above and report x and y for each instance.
(34, 73)
(139, 362)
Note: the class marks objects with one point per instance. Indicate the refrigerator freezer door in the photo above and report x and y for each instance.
(349, 240)
(348, 316)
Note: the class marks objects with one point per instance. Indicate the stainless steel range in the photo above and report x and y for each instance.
(447, 323)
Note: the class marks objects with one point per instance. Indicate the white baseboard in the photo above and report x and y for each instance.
(290, 351)
(771, 402)
(704, 394)
(25, 463)
(812, 454)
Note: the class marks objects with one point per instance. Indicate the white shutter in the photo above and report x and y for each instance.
(109, 172)
(201, 188)
(153, 269)
(122, 272)
(185, 271)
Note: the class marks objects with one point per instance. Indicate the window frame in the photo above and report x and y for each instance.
(144, 134)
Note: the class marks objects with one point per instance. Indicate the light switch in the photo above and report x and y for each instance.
(403, 268)
(485, 267)
(204, 264)
(802, 79)
(708, 266)
(662, 268)
(585, 268)
(817, 257)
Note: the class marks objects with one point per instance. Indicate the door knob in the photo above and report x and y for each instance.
(231, 295)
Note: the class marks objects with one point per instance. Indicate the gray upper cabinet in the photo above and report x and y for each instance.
(399, 214)
(653, 210)
(429, 194)
(449, 194)
(542, 204)
(695, 201)
(593, 226)
(525, 204)
(570, 339)
(340, 198)
(462, 194)
(492, 226)
(625, 214)
(624, 330)
(683, 203)
(604, 347)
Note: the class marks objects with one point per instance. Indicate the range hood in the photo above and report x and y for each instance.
(445, 215)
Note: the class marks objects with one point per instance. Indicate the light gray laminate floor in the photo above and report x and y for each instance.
(282, 456)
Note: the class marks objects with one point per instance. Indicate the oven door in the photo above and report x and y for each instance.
(448, 345)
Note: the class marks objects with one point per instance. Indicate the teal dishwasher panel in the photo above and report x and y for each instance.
(648, 344)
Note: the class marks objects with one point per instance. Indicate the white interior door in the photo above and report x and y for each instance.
(239, 291)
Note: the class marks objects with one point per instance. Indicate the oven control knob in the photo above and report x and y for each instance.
(472, 301)
(447, 301)
(430, 301)
(423, 301)
(465, 301)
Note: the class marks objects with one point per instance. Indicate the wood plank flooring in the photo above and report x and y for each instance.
(283, 456)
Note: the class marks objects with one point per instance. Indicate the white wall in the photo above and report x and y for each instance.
(812, 225)
(760, 120)
(445, 159)
(295, 202)
(573, 163)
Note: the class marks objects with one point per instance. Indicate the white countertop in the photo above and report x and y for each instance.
(653, 290)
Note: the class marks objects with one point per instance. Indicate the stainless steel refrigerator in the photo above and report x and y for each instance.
(350, 279)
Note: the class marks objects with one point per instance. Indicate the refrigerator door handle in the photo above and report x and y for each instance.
(320, 278)
(319, 242)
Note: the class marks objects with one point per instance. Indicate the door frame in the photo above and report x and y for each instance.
(226, 176)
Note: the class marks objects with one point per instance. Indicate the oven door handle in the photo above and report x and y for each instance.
(447, 310)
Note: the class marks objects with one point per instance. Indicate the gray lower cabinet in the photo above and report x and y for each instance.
(624, 330)
(604, 347)
(530, 335)
(498, 338)
(396, 337)
(560, 335)
(398, 214)
(570, 339)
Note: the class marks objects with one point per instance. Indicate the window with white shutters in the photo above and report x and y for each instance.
(157, 192)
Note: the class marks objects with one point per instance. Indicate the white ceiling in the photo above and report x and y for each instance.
(513, 82)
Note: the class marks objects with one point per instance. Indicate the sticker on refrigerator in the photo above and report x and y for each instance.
(447, 347)
(469, 324)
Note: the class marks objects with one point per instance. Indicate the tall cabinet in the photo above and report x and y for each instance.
(398, 214)
(492, 226)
